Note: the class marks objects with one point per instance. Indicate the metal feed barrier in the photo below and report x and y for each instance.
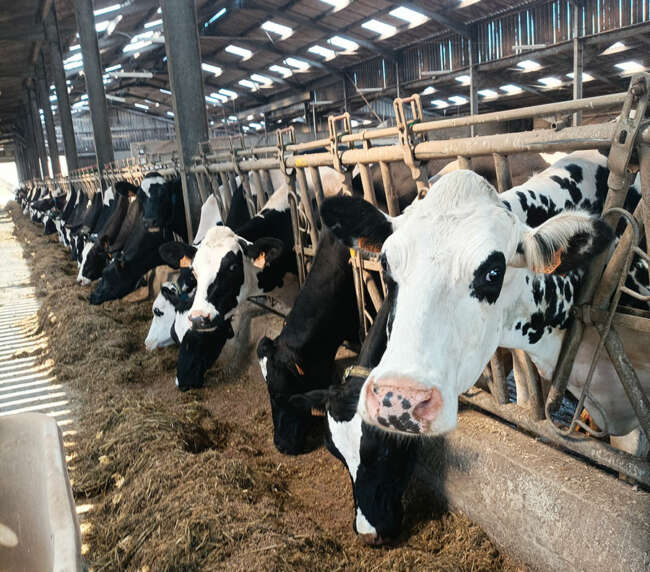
(412, 141)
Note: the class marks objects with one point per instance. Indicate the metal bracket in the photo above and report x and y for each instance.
(279, 133)
(332, 122)
(406, 137)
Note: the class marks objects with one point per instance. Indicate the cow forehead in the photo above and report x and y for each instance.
(148, 182)
(218, 242)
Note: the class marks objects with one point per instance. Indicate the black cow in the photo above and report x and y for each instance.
(301, 358)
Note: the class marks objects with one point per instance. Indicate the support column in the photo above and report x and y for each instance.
(44, 101)
(577, 63)
(345, 95)
(28, 144)
(37, 131)
(473, 83)
(63, 101)
(20, 165)
(186, 81)
(397, 77)
(94, 83)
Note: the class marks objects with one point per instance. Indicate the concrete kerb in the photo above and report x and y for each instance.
(542, 506)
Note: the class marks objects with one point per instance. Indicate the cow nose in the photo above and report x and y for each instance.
(198, 319)
(402, 403)
(372, 539)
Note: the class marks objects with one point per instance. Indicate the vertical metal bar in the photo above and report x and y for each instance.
(345, 95)
(186, 81)
(37, 130)
(497, 385)
(644, 170)
(306, 205)
(397, 86)
(473, 83)
(266, 181)
(223, 186)
(533, 382)
(44, 97)
(247, 191)
(30, 144)
(232, 183)
(502, 169)
(318, 185)
(259, 190)
(391, 198)
(577, 63)
(63, 101)
(366, 183)
(94, 83)
(203, 190)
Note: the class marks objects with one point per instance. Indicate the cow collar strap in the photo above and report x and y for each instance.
(356, 371)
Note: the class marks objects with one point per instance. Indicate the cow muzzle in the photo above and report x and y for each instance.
(402, 404)
(202, 323)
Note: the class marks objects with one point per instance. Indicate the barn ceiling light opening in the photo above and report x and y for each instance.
(243, 53)
(384, 30)
(283, 31)
(411, 16)
(347, 45)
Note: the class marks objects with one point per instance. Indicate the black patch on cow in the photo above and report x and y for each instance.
(488, 278)
(584, 246)
(532, 195)
(223, 291)
(522, 200)
(353, 218)
(575, 171)
(198, 351)
(538, 293)
(520, 248)
(507, 204)
(569, 185)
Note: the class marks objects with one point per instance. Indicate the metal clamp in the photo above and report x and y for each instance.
(279, 133)
(406, 137)
(627, 129)
(332, 122)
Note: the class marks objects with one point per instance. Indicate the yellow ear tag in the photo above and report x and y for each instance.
(185, 262)
(299, 370)
(557, 260)
(260, 261)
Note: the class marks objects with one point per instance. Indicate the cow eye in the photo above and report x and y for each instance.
(493, 275)
(157, 312)
(232, 267)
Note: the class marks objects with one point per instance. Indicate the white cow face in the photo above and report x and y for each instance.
(164, 314)
(84, 256)
(463, 269)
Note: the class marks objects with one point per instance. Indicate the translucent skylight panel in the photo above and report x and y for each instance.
(114, 68)
(153, 23)
(248, 83)
(321, 51)
(141, 106)
(102, 26)
(338, 4)
(585, 77)
(529, 66)
(107, 10)
(165, 91)
(550, 82)
(216, 70)
(615, 48)
(381, 28)
(630, 67)
(428, 90)
(136, 46)
(259, 78)
(511, 89)
(488, 93)
(75, 47)
(347, 45)
(296, 63)
(440, 103)
(229, 93)
(283, 31)
(411, 16)
(222, 98)
(458, 100)
(463, 79)
(215, 17)
(170, 113)
(239, 51)
(284, 72)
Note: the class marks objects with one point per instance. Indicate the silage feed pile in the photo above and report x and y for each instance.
(191, 481)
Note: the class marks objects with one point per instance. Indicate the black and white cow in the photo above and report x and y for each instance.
(230, 267)
(470, 270)
(301, 358)
(379, 463)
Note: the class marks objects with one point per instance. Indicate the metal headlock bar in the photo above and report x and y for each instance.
(413, 141)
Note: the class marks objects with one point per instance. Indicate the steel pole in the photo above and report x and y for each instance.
(577, 63)
(473, 84)
(186, 81)
(44, 99)
(63, 101)
(94, 83)
(37, 130)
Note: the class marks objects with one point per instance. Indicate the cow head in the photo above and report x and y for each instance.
(96, 259)
(284, 378)
(158, 199)
(198, 351)
(467, 276)
(114, 283)
(228, 269)
(164, 314)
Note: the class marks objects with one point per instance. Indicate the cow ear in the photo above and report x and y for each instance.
(564, 242)
(177, 254)
(124, 188)
(264, 251)
(356, 222)
(265, 348)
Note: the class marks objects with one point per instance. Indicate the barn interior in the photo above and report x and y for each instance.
(220, 93)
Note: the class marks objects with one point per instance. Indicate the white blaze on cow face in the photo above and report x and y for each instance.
(164, 314)
(84, 256)
(150, 180)
(459, 260)
(224, 275)
(108, 196)
(263, 367)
